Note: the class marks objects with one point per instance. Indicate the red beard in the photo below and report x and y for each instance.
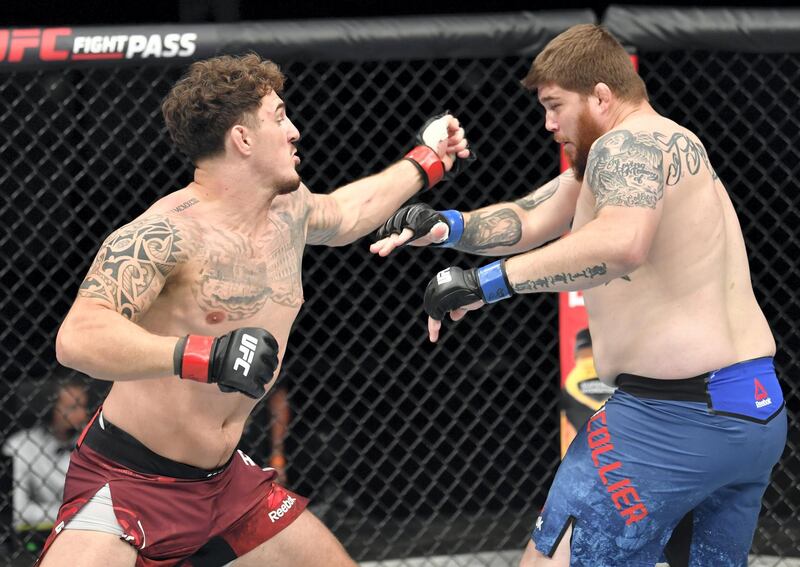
(588, 132)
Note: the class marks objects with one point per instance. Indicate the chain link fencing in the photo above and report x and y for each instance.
(741, 107)
(406, 449)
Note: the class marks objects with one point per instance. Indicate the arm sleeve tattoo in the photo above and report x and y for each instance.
(129, 271)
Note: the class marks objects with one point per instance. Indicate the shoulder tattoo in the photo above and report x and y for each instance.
(132, 264)
(625, 169)
(687, 156)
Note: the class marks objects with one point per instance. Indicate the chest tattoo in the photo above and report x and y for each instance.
(239, 275)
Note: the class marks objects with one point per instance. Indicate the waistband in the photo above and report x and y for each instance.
(693, 389)
(124, 449)
(683, 390)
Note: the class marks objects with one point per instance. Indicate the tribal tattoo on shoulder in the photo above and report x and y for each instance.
(132, 264)
(484, 230)
(625, 169)
(683, 150)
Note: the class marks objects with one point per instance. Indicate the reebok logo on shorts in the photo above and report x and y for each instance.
(281, 511)
(762, 397)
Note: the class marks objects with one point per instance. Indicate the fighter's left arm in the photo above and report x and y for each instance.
(360, 207)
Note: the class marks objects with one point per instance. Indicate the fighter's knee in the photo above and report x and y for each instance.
(90, 549)
(528, 558)
(532, 557)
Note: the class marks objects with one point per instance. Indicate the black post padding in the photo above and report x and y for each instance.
(410, 37)
(743, 30)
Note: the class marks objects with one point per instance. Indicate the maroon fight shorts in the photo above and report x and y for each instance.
(173, 513)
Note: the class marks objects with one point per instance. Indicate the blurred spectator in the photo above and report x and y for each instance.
(40, 454)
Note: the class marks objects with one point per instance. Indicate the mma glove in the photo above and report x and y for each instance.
(243, 360)
(425, 156)
(421, 218)
(453, 288)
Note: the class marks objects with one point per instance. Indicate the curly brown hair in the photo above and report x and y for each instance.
(581, 57)
(214, 95)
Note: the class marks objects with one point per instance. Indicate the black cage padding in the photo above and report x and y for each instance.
(743, 30)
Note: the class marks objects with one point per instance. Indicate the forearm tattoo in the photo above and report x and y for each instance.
(683, 150)
(626, 170)
(564, 278)
(539, 196)
(129, 270)
(500, 227)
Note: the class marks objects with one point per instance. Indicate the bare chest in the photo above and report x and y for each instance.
(234, 276)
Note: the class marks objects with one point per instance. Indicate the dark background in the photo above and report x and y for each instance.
(15, 13)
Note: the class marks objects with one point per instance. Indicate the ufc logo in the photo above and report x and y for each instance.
(248, 349)
(32, 38)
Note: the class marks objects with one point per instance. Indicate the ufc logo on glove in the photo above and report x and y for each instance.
(248, 349)
(243, 360)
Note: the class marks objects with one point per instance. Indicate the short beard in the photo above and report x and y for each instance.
(588, 132)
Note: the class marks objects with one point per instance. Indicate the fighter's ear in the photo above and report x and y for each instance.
(239, 138)
(602, 92)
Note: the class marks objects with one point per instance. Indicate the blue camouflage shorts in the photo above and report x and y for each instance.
(699, 450)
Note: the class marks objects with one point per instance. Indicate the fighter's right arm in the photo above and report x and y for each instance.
(99, 335)
(497, 230)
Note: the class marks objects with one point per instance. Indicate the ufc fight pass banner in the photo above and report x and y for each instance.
(26, 48)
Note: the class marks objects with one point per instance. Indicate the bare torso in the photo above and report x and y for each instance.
(690, 307)
(233, 276)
